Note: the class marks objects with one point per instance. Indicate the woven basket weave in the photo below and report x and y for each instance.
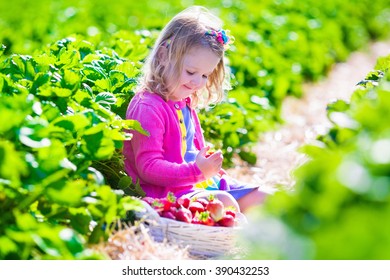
(201, 240)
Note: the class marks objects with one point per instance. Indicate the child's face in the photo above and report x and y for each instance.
(198, 64)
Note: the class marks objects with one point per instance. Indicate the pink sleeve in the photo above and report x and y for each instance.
(199, 139)
(152, 161)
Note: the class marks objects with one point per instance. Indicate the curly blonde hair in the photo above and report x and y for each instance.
(186, 31)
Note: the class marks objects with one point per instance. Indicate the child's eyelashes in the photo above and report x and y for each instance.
(192, 73)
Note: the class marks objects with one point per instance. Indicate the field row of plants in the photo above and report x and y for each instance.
(62, 185)
(341, 201)
(61, 137)
(279, 45)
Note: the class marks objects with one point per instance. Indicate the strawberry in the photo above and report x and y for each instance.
(226, 221)
(209, 153)
(196, 207)
(149, 200)
(184, 201)
(168, 201)
(184, 215)
(195, 220)
(230, 212)
(166, 204)
(202, 201)
(157, 204)
(205, 219)
(216, 208)
(168, 214)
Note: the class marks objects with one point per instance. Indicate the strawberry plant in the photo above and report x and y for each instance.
(342, 194)
(276, 49)
(58, 134)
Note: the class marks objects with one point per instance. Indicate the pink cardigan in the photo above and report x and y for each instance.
(156, 160)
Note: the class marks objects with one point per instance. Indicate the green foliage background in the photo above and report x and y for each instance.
(69, 68)
(340, 205)
(279, 44)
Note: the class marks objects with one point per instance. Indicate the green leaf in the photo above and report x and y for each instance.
(29, 137)
(249, 157)
(25, 222)
(103, 84)
(66, 193)
(72, 123)
(53, 157)
(39, 80)
(97, 144)
(80, 219)
(105, 99)
(68, 59)
(124, 182)
(71, 80)
(7, 247)
(61, 92)
(130, 125)
(2, 49)
(128, 68)
(337, 106)
(73, 242)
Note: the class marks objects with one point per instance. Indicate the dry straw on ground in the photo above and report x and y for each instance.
(135, 243)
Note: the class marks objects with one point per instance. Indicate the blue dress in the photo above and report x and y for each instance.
(226, 183)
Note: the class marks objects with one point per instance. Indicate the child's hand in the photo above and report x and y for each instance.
(210, 165)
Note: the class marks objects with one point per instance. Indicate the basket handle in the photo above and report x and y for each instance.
(149, 212)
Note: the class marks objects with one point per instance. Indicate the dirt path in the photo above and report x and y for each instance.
(305, 119)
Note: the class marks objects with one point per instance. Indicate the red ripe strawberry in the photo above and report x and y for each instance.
(216, 208)
(196, 207)
(166, 204)
(205, 219)
(168, 201)
(209, 153)
(184, 215)
(195, 220)
(168, 214)
(208, 222)
(184, 201)
(226, 221)
(202, 201)
(230, 212)
(157, 204)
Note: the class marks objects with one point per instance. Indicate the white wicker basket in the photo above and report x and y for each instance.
(201, 240)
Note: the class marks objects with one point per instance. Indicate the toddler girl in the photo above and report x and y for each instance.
(185, 69)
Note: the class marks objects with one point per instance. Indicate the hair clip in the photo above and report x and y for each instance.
(223, 37)
(167, 43)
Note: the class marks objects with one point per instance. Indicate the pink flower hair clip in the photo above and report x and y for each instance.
(223, 37)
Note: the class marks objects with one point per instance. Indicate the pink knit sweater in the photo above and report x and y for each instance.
(156, 160)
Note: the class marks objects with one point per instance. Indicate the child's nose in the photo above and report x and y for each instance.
(196, 81)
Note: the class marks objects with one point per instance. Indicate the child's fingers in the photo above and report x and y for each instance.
(204, 150)
(216, 158)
